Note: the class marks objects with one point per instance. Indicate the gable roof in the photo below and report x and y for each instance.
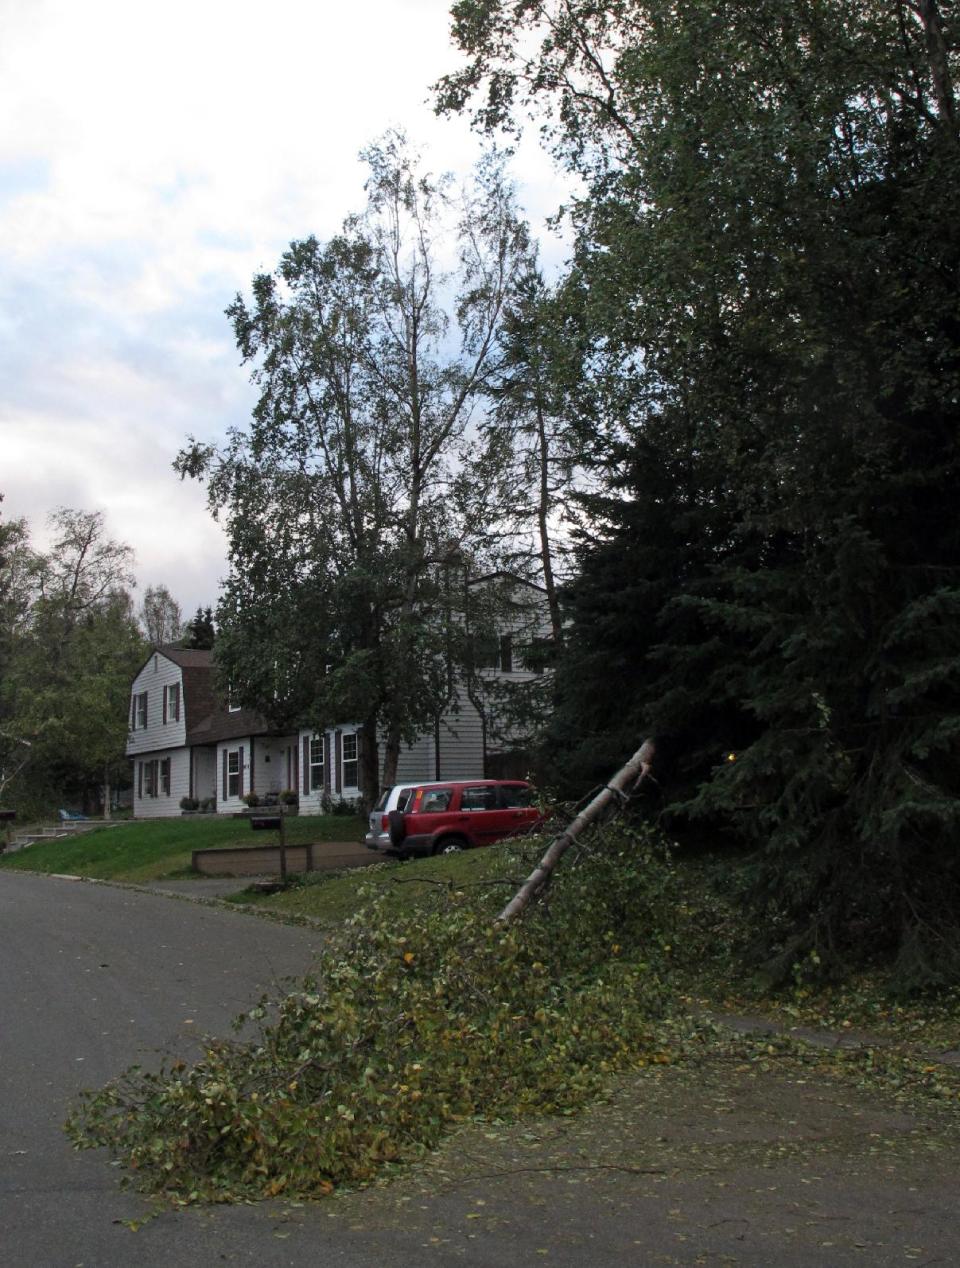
(186, 657)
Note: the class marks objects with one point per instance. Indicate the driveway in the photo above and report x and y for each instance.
(715, 1164)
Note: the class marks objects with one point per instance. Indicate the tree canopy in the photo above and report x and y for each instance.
(71, 646)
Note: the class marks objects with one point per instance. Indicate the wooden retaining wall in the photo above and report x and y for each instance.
(264, 860)
(253, 860)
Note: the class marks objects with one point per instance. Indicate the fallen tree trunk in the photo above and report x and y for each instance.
(615, 794)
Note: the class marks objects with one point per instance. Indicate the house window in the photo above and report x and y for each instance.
(149, 779)
(491, 652)
(171, 703)
(140, 711)
(165, 777)
(316, 763)
(233, 704)
(233, 773)
(506, 653)
(351, 764)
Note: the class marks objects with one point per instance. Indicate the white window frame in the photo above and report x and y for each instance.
(140, 711)
(354, 761)
(172, 699)
(233, 775)
(317, 763)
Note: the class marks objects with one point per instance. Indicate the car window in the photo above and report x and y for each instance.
(483, 798)
(403, 796)
(516, 795)
(382, 800)
(435, 800)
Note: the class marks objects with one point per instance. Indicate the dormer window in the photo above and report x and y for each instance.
(171, 703)
(138, 712)
(233, 705)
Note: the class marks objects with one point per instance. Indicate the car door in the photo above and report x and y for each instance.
(480, 813)
(517, 801)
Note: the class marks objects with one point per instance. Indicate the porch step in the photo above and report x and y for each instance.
(57, 832)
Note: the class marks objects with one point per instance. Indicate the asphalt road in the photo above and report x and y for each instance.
(94, 978)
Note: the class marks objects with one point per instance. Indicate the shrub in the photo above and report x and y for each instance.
(189, 803)
(251, 799)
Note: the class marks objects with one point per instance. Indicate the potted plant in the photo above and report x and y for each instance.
(289, 799)
(251, 799)
(189, 805)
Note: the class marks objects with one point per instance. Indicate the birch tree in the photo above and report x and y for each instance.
(358, 485)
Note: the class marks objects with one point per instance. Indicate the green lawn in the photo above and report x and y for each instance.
(158, 848)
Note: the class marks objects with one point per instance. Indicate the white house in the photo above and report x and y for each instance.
(184, 742)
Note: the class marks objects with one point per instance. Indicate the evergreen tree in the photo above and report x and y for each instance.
(201, 632)
(767, 263)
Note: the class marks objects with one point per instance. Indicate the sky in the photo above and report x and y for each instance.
(153, 158)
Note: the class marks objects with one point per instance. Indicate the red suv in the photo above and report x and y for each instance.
(445, 818)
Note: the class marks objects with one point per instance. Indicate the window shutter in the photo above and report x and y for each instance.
(306, 765)
(225, 774)
(176, 703)
(240, 764)
(338, 760)
(360, 747)
(133, 713)
(156, 778)
(164, 706)
(140, 780)
(326, 765)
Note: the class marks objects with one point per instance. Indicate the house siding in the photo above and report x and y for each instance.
(164, 805)
(158, 674)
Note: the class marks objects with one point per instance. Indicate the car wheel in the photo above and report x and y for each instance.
(450, 845)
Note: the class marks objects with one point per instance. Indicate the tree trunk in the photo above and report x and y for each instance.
(938, 61)
(543, 510)
(610, 797)
(369, 763)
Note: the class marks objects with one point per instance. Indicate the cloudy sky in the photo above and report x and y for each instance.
(154, 157)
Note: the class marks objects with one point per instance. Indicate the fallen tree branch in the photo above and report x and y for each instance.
(612, 796)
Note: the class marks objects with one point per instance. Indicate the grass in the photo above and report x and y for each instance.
(332, 897)
(161, 848)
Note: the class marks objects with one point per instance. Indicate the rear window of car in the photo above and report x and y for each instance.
(516, 795)
(433, 801)
(382, 800)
